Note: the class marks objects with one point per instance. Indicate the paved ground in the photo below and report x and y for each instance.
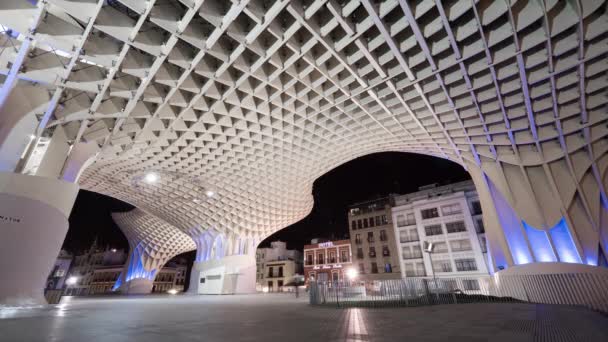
(273, 317)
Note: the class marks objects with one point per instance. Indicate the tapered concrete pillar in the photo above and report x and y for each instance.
(34, 215)
(223, 265)
(152, 243)
(536, 214)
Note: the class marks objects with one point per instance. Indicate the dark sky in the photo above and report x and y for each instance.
(368, 177)
(365, 178)
(90, 218)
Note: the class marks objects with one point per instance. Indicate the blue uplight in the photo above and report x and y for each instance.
(541, 247)
(564, 245)
(511, 227)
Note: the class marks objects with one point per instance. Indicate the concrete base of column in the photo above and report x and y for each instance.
(34, 215)
(138, 287)
(233, 274)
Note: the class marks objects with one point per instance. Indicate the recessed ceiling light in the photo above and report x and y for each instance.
(151, 177)
(209, 193)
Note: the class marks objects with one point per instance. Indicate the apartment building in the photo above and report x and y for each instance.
(450, 218)
(276, 266)
(327, 260)
(373, 241)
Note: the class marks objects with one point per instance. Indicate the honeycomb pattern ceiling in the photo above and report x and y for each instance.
(256, 99)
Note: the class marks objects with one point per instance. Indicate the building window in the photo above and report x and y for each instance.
(385, 251)
(442, 266)
(358, 239)
(411, 252)
(365, 223)
(476, 208)
(370, 236)
(461, 245)
(451, 209)
(343, 256)
(440, 247)
(479, 228)
(384, 219)
(455, 227)
(280, 271)
(483, 244)
(470, 284)
(332, 257)
(309, 259)
(372, 252)
(270, 272)
(415, 269)
(429, 213)
(410, 219)
(320, 259)
(463, 265)
(371, 222)
(359, 253)
(401, 220)
(361, 269)
(382, 235)
(374, 267)
(359, 224)
(353, 225)
(434, 229)
(408, 235)
(388, 268)
(378, 221)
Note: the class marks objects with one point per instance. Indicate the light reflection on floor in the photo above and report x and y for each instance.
(357, 330)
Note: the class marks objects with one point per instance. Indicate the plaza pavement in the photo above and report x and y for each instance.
(280, 317)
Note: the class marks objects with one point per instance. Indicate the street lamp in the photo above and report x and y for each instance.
(428, 248)
(72, 280)
(351, 273)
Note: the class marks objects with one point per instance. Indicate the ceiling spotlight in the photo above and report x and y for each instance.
(151, 177)
(209, 193)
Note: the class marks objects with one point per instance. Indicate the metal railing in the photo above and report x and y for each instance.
(585, 289)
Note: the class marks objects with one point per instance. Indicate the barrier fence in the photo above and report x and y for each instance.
(586, 289)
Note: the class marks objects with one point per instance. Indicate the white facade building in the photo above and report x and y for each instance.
(276, 252)
(450, 218)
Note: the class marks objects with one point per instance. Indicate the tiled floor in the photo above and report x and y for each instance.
(272, 317)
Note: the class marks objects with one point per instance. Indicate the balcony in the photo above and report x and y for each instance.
(372, 254)
(359, 255)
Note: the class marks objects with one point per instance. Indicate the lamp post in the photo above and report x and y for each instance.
(428, 248)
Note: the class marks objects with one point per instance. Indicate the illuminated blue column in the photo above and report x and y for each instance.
(152, 243)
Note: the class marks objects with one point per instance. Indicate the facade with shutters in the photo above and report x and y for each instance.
(373, 240)
(450, 218)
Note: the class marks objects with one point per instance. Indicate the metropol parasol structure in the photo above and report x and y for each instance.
(215, 117)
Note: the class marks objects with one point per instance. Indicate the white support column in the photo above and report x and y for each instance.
(34, 215)
(152, 243)
(224, 272)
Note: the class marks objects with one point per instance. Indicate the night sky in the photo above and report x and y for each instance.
(369, 177)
